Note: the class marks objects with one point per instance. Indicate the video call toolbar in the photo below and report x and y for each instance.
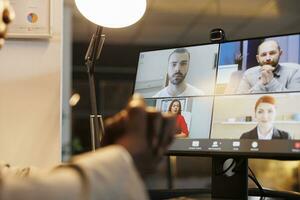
(238, 146)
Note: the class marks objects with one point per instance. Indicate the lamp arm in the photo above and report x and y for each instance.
(93, 53)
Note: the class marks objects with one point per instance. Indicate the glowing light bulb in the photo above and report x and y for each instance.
(112, 13)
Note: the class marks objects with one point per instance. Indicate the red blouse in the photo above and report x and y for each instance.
(182, 124)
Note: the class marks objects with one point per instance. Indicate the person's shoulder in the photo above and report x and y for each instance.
(179, 116)
(161, 93)
(285, 135)
(252, 70)
(246, 135)
(282, 134)
(290, 66)
(252, 134)
(192, 90)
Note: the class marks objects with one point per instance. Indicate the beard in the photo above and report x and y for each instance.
(272, 63)
(177, 78)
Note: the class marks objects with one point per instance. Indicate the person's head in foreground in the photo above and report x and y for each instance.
(145, 132)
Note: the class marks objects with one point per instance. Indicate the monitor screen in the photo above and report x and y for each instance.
(237, 97)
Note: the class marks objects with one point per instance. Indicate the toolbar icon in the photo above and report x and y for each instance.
(195, 144)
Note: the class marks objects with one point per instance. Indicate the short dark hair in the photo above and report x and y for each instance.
(180, 50)
(268, 41)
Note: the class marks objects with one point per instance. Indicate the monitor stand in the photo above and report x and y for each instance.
(229, 181)
(229, 178)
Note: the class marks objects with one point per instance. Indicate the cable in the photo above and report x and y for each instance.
(254, 179)
(261, 190)
(253, 175)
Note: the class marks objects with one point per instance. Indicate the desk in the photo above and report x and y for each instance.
(204, 194)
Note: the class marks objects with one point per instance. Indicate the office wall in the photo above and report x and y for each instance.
(30, 112)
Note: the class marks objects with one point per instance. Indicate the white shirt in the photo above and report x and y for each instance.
(106, 174)
(267, 136)
(189, 91)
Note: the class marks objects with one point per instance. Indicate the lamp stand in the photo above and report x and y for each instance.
(93, 54)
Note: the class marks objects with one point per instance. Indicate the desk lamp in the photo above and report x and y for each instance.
(110, 14)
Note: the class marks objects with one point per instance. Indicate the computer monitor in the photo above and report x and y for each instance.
(232, 99)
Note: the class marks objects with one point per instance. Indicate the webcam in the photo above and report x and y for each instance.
(217, 35)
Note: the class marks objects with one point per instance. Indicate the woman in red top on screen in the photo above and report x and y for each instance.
(265, 113)
(182, 129)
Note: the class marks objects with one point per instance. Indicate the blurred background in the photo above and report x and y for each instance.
(168, 24)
